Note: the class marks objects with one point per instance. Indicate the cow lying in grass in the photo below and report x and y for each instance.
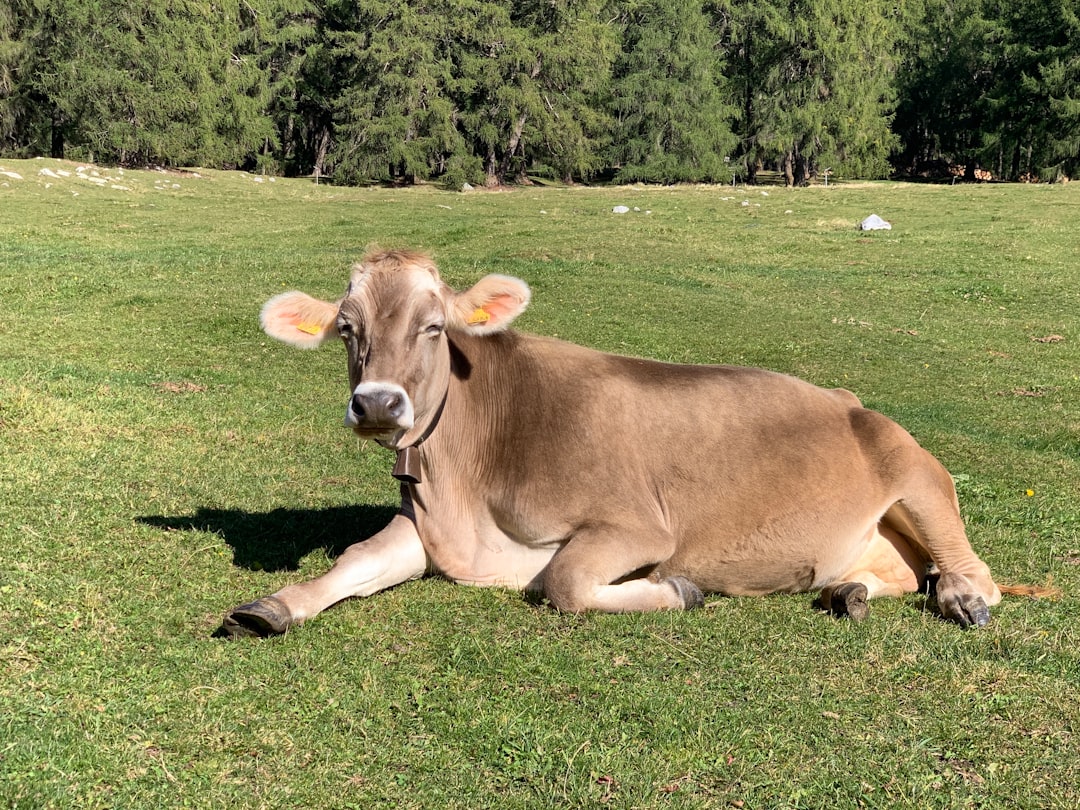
(612, 483)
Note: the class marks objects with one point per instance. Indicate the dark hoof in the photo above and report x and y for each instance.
(967, 611)
(264, 617)
(691, 594)
(847, 599)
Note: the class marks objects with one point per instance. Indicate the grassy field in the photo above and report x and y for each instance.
(161, 460)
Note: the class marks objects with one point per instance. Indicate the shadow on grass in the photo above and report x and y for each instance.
(278, 540)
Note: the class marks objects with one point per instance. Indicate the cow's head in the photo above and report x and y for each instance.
(395, 319)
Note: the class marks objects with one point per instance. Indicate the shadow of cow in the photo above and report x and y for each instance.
(279, 539)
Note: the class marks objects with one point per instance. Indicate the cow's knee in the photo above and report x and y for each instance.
(607, 569)
(569, 589)
(577, 593)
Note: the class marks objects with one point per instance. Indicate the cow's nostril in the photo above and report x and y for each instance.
(394, 403)
(358, 405)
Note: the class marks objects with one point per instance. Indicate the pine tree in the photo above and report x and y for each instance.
(277, 39)
(392, 120)
(991, 84)
(165, 81)
(813, 80)
(1060, 76)
(946, 72)
(495, 65)
(12, 54)
(1032, 103)
(672, 122)
(33, 49)
(568, 126)
(530, 85)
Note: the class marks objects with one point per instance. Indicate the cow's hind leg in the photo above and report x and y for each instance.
(931, 518)
(608, 570)
(926, 512)
(890, 566)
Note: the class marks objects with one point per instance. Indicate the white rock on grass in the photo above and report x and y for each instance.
(874, 223)
(620, 209)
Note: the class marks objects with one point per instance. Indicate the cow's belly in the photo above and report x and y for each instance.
(792, 562)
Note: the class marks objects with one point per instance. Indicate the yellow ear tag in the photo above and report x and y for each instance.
(478, 316)
(309, 328)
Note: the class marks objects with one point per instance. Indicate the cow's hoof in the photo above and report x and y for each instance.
(690, 593)
(969, 610)
(846, 599)
(264, 617)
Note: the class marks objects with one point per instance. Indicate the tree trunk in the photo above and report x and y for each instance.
(748, 112)
(1014, 168)
(511, 148)
(320, 153)
(289, 149)
(800, 176)
(56, 147)
(788, 167)
(514, 142)
(751, 171)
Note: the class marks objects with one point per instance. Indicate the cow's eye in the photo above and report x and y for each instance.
(435, 329)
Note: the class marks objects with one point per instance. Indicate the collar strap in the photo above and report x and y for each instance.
(407, 467)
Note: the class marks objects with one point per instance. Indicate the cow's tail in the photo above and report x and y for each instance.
(1047, 591)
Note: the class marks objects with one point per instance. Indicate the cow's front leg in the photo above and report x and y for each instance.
(388, 558)
(606, 570)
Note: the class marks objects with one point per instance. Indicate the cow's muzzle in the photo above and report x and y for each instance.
(379, 409)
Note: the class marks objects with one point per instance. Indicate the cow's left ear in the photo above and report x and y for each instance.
(299, 320)
(490, 305)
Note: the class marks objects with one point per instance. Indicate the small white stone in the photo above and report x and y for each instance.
(874, 223)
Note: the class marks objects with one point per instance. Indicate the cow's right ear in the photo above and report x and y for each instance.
(299, 320)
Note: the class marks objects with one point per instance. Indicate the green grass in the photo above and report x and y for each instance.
(161, 461)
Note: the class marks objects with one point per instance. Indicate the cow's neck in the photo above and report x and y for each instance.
(482, 372)
(407, 467)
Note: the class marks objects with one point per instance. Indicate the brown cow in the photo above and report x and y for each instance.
(612, 483)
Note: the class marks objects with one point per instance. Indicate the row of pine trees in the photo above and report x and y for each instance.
(492, 91)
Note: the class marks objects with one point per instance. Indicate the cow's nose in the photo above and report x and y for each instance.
(380, 406)
(376, 406)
